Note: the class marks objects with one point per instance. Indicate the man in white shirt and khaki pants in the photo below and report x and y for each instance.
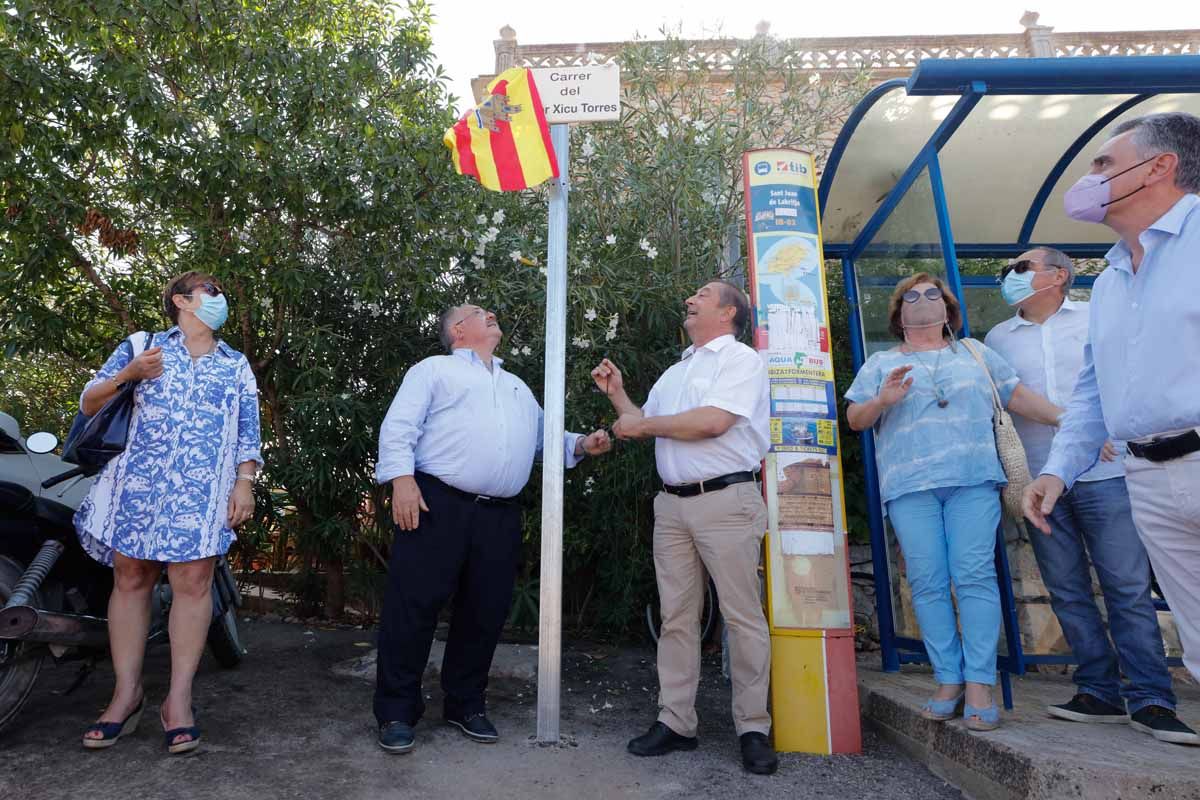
(709, 415)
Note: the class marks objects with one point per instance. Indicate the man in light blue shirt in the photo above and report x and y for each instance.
(1140, 380)
(1044, 343)
(457, 445)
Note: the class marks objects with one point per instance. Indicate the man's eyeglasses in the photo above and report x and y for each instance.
(912, 295)
(479, 312)
(1021, 267)
(211, 289)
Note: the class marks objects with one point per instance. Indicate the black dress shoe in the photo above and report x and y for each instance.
(475, 726)
(757, 754)
(396, 737)
(660, 740)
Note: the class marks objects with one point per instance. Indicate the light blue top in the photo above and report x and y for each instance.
(919, 446)
(476, 430)
(1141, 366)
(166, 497)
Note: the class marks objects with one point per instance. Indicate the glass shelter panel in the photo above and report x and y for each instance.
(908, 242)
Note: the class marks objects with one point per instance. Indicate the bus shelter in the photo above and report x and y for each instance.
(949, 172)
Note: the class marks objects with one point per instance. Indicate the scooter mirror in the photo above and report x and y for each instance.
(41, 442)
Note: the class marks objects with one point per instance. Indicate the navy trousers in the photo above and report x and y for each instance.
(462, 549)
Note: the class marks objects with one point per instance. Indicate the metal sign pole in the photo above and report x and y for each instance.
(550, 606)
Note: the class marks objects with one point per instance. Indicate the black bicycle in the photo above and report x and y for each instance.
(709, 612)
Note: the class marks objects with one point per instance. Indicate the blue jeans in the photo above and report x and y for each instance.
(1094, 519)
(946, 535)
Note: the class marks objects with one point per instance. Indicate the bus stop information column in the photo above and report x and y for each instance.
(808, 584)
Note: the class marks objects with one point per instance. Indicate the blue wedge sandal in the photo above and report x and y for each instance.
(187, 746)
(981, 719)
(110, 732)
(942, 710)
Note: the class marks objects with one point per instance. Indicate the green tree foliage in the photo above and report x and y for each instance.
(293, 149)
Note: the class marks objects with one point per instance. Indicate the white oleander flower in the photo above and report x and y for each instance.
(498, 217)
(652, 252)
(515, 255)
(477, 262)
(612, 334)
(481, 219)
(610, 239)
(590, 315)
(526, 350)
(644, 244)
(516, 351)
(453, 262)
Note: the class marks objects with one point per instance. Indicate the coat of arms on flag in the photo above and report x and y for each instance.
(504, 142)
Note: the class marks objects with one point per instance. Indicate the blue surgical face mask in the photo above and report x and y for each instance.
(213, 311)
(1018, 287)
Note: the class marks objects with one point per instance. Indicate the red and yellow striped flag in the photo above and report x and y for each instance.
(504, 142)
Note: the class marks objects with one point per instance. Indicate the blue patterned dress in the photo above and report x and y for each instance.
(166, 498)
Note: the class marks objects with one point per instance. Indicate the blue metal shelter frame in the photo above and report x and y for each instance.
(972, 80)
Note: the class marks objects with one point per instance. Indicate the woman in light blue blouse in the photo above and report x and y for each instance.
(173, 497)
(930, 403)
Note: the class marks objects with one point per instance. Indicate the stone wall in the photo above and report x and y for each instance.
(885, 56)
(1040, 631)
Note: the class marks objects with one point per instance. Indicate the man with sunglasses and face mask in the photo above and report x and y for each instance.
(457, 446)
(1044, 343)
(1140, 380)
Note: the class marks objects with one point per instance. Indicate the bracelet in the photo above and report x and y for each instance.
(249, 478)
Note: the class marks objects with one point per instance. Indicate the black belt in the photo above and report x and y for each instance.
(1167, 448)
(468, 496)
(710, 485)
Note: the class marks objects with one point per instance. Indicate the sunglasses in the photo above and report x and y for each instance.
(912, 295)
(1019, 267)
(211, 289)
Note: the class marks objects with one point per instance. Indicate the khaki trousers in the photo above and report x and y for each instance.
(723, 531)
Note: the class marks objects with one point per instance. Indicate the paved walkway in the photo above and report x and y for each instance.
(1033, 756)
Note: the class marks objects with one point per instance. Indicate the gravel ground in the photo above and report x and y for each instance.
(282, 725)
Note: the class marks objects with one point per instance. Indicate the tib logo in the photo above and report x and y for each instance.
(786, 167)
(792, 167)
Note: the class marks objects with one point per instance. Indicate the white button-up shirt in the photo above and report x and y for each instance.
(1047, 358)
(474, 429)
(725, 374)
(1141, 372)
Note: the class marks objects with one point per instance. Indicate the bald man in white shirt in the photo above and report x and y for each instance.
(709, 415)
(457, 446)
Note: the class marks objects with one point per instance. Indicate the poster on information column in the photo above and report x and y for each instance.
(807, 571)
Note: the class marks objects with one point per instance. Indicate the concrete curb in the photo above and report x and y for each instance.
(986, 766)
(515, 661)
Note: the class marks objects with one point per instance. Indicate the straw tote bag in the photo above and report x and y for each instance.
(1008, 448)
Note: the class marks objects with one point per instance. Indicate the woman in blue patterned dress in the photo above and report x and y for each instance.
(930, 404)
(173, 497)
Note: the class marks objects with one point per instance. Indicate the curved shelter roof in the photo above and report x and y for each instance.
(1014, 134)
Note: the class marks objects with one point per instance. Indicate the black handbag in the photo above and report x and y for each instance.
(96, 440)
